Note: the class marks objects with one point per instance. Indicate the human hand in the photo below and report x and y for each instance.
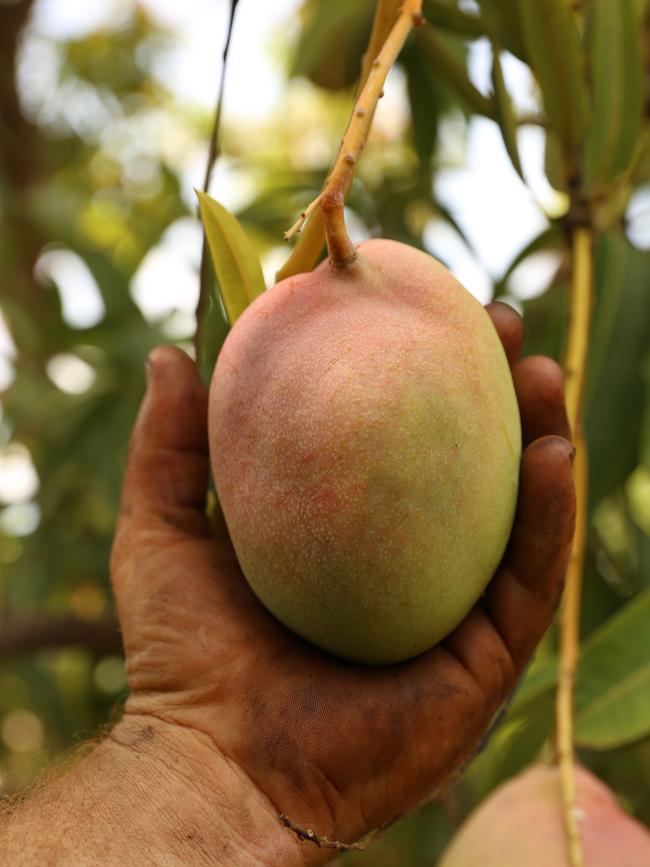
(340, 748)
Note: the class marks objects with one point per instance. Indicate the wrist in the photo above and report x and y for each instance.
(208, 810)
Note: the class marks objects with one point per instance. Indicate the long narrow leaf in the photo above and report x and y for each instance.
(613, 696)
(452, 19)
(452, 71)
(556, 164)
(331, 42)
(424, 100)
(616, 387)
(236, 263)
(503, 20)
(504, 112)
(555, 52)
(307, 250)
(618, 85)
(613, 684)
(213, 328)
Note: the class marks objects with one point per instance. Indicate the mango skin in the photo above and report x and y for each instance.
(521, 825)
(365, 443)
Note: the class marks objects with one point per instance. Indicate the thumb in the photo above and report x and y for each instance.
(167, 468)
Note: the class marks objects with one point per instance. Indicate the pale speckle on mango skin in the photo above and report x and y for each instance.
(365, 443)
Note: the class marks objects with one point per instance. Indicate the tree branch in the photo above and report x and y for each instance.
(213, 153)
(27, 634)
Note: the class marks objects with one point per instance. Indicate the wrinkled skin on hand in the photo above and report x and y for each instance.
(340, 748)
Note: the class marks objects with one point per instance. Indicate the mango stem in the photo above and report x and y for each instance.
(332, 198)
(306, 252)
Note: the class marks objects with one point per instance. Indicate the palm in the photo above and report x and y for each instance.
(339, 747)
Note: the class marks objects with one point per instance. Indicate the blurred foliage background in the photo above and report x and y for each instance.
(97, 218)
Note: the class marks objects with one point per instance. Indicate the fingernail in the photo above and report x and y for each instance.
(156, 361)
(149, 367)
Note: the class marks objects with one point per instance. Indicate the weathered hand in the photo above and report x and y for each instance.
(338, 747)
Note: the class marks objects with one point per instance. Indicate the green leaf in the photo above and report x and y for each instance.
(553, 44)
(332, 40)
(642, 550)
(452, 19)
(613, 688)
(503, 20)
(504, 112)
(618, 87)
(513, 745)
(545, 318)
(212, 330)
(555, 163)
(616, 387)
(603, 595)
(610, 261)
(452, 71)
(613, 682)
(540, 680)
(427, 102)
(235, 260)
(645, 424)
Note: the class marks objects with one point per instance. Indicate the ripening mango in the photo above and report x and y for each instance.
(365, 443)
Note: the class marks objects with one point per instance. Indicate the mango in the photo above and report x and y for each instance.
(521, 825)
(365, 444)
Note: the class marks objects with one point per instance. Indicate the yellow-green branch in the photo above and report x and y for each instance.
(575, 360)
(331, 199)
(386, 12)
(306, 252)
(575, 366)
